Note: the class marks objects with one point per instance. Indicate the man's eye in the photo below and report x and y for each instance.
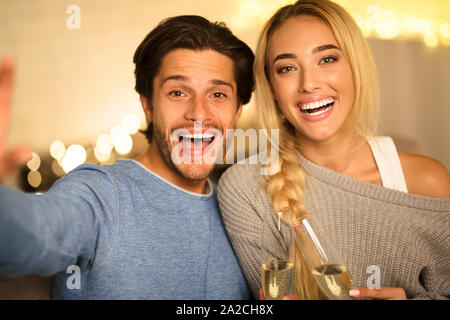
(176, 93)
(219, 95)
(327, 60)
(285, 69)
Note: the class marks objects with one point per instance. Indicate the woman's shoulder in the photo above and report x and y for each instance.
(424, 175)
(241, 184)
(242, 174)
(242, 200)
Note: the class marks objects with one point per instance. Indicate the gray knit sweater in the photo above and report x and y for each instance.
(407, 236)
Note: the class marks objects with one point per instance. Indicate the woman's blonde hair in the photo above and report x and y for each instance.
(286, 186)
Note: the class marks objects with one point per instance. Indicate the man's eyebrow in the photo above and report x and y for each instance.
(216, 82)
(219, 82)
(175, 77)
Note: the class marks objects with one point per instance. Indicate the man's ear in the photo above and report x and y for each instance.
(147, 109)
(238, 114)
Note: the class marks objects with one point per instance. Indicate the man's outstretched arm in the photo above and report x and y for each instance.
(43, 234)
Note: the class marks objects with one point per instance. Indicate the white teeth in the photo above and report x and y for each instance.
(316, 104)
(197, 136)
(319, 112)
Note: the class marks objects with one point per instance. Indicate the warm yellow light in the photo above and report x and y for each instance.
(104, 144)
(431, 40)
(35, 162)
(116, 130)
(131, 124)
(75, 156)
(389, 28)
(409, 26)
(34, 178)
(390, 20)
(57, 169)
(57, 150)
(444, 30)
(122, 143)
(100, 156)
(250, 8)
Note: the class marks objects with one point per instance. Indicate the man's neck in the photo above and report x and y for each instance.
(153, 160)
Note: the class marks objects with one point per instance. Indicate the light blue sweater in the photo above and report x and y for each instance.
(132, 234)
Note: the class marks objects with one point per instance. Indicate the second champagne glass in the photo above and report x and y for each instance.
(323, 259)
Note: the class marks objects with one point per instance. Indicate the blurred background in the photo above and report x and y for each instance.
(74, 100)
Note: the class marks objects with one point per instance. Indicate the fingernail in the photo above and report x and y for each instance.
(354, 292)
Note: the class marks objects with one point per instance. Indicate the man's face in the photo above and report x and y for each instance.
(193, 90)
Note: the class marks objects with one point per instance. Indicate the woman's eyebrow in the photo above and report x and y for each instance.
(325, 47)
(315, 50)
(284, 56)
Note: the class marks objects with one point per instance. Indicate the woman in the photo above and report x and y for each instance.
(316, 82)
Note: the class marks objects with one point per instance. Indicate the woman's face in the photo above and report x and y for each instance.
(310, 78)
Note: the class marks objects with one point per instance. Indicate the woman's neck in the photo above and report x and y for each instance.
(340, 153)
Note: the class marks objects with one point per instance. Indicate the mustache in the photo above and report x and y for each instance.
(199, 126)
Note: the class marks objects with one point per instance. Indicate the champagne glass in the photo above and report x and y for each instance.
(277, 255)
(323, 259)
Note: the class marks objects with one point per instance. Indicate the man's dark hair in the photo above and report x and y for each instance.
(193, 33)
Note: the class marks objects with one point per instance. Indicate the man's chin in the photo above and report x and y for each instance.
(195, 172)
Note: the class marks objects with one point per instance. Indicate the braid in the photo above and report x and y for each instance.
(286, 190)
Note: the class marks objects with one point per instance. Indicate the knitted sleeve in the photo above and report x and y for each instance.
(433, 243)
(242, 221)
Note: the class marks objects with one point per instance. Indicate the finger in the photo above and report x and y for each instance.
(6, 85)
(261, 294)
(390, 293)
(13, 160)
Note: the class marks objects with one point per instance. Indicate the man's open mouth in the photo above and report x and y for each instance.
(203, 138)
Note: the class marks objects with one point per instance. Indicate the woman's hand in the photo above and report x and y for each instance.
(384, 293)
(10, 160)
(288, 297)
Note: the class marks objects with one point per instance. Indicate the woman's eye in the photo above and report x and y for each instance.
(285, 69)
(327, 60)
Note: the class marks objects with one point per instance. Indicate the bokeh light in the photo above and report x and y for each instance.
(57, 149)
(34, 178)
(104, 144)
(35, 162)
(75, 156)
(122, 143)
(131, 124)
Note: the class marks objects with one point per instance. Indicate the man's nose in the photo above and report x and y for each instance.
(198, 110)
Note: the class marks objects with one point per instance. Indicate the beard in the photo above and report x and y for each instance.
(193, 172)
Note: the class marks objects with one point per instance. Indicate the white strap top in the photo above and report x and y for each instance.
(388, 163)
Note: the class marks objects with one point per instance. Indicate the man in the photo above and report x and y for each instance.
(147, 228)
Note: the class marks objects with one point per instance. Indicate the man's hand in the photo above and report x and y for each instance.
(288, 297)
(384, 293)
(10, 160)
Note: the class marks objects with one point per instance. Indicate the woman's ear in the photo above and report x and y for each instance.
(147, 108)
